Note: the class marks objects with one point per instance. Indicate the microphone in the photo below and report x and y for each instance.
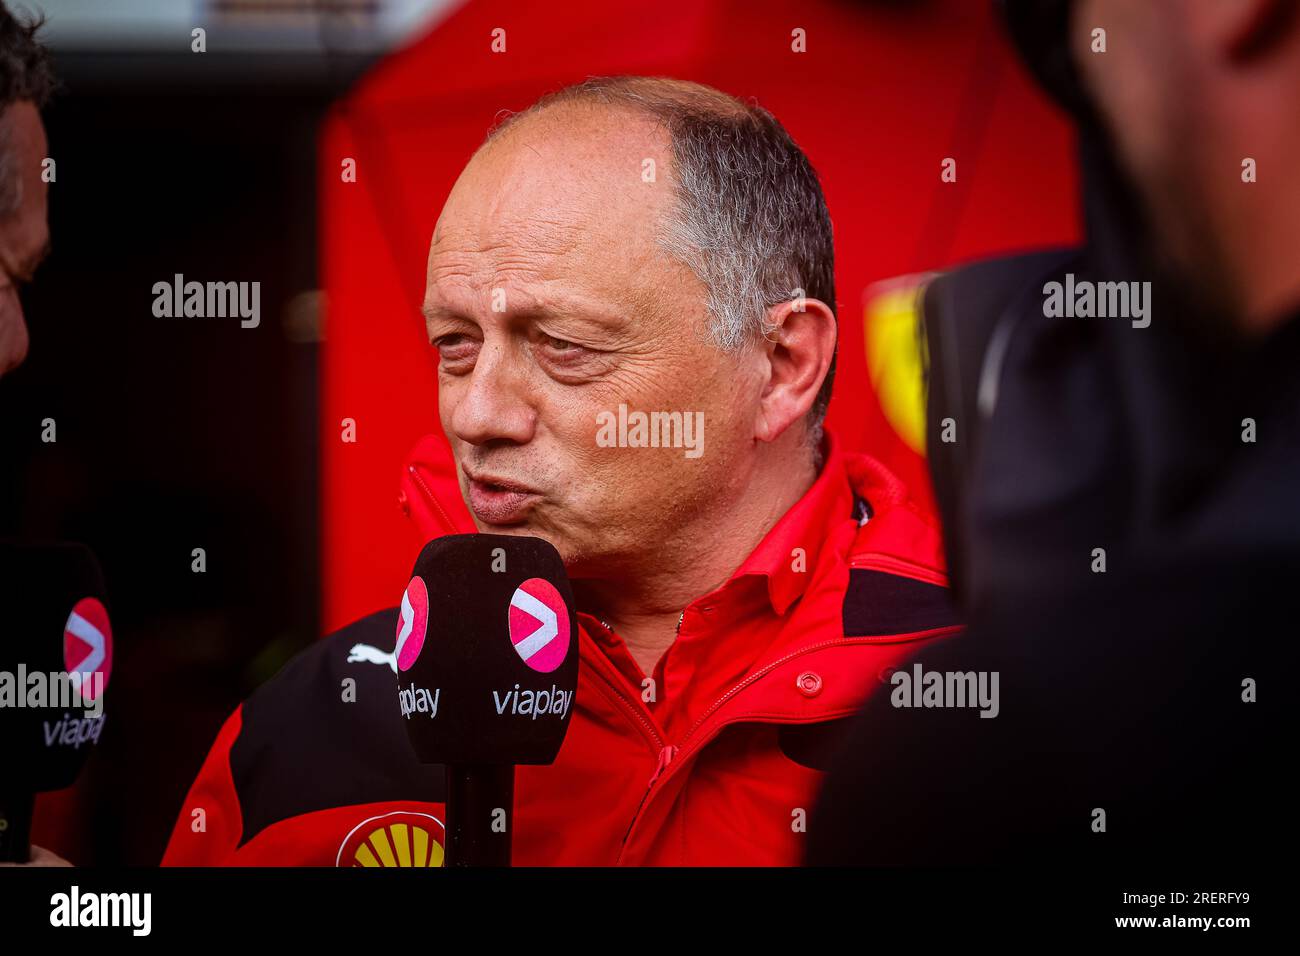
(56, 655)
(487, 669)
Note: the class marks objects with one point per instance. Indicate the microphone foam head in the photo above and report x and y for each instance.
(56, 658)
(487, 651)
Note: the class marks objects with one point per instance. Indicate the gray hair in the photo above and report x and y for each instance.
(751, 221)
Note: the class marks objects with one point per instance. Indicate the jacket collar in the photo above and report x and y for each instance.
(803, 528)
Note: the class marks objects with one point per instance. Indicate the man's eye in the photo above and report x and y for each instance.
(560, 345)
(455, 349)
(453, 341)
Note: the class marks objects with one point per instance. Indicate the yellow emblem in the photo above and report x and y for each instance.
(896, 354)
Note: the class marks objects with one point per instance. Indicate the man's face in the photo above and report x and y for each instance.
(550, 303)
(24, 234)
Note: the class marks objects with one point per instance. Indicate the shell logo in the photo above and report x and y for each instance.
(399, 838)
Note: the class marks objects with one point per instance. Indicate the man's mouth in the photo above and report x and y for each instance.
(499, 501)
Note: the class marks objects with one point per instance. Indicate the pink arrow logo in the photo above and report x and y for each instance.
(412, 623)
(88, 646)
(539, 625)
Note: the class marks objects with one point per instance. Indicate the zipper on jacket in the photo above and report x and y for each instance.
(666, 756)
(431, 497)
(668, 753)
(627, 703)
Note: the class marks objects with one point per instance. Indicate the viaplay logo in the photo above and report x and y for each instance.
(88, 647)
(412, 624)
(539, 625)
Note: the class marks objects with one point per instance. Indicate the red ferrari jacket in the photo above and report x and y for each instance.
(715, 760)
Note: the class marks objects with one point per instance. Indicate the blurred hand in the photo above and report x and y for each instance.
(42, 857)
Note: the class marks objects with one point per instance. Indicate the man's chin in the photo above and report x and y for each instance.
(571, 555)
(519, 528)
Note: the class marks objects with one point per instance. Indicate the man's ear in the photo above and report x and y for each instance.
(798, 354)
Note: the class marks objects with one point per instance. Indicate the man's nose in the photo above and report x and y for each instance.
(497, 406)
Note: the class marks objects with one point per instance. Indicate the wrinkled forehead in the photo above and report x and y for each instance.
(588, 185)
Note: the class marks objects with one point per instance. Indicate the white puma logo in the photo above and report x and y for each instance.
(372, 655)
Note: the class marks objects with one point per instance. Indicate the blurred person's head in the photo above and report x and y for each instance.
(1189, 90)
(25, 84)
(641, 243)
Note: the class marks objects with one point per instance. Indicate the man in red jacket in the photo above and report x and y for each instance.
(628, 268)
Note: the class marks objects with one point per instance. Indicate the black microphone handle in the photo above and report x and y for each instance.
(16, 827)
(474, 793)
